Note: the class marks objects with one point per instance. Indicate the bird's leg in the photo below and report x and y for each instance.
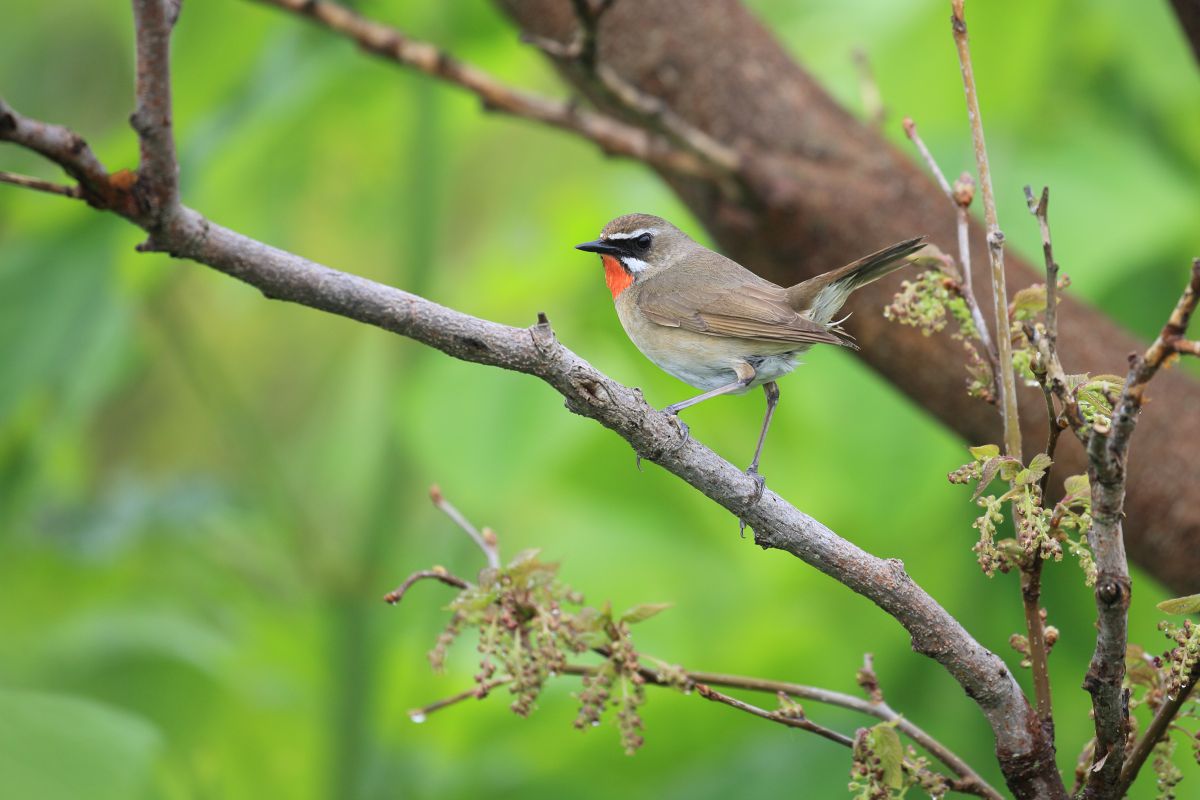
(771, 390)
(745, 376)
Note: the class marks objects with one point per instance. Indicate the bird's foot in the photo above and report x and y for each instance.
(685, 433)
(760, 486)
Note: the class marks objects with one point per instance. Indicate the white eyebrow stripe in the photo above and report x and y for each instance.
(634, 264)
(632, 234)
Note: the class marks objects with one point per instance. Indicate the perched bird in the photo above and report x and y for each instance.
(716, 325)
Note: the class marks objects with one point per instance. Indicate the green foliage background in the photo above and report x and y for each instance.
(203, 495)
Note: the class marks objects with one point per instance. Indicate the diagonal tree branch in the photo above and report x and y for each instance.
(280, 275)
(610, 134)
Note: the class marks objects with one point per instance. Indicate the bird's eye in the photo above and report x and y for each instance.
(643, 241)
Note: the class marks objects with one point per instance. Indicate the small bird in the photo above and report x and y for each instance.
(716, 325)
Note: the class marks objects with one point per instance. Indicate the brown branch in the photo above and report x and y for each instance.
(1031, 573)
(396, 595)
(611, 135)
(652, 434)
(158, 170)
(485, 539)
(803, 723)
(583, 51)
(995, 240)
(37, 184)
(474, 693)
(1158, 729)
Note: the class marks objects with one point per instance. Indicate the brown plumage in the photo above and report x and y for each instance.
(716, 325)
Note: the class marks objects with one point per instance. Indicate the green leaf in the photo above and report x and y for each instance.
(1040, 463)
(55, 747)
(984, 451)
(890, 752)
(1181, 605)
(1077, 485)
(1029, 301)
(643, 612)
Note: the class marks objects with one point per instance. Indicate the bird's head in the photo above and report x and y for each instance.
(634, 247)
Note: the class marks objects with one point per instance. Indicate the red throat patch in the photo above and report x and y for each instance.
(615, 275)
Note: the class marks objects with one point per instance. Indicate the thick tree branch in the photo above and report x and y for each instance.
(610, 134)
(654, 435)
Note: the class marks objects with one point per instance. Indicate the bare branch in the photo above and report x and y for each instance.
(437, 574)
(63, 147)
(1040, 208)
(485, 539)
(582, 50)
(802, 723)
(40, 185)
(611, 135)
(995, 239)
(158, 170)
(474, 693)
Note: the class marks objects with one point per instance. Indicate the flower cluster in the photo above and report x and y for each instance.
(530, 623)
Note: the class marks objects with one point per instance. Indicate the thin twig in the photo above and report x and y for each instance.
(396, 595)
(474, 693)
(960, 196)
(37, 184)
(485, 538)
(803, 723)
(995, 240)
(583, 50)
(1158, 729)
(611, 135)
(1040, 208)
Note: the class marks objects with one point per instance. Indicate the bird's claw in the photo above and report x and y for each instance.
(685, 432)
(760, 487)
(685, 436)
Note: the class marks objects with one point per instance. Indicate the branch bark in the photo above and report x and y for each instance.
(832, 188)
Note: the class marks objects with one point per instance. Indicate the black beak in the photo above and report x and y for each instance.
(600, 246)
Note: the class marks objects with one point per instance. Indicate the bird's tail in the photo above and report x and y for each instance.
(822, 296)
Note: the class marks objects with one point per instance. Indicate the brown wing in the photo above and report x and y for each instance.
(724, 299)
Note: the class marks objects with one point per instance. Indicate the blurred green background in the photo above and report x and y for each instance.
(203, 495)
